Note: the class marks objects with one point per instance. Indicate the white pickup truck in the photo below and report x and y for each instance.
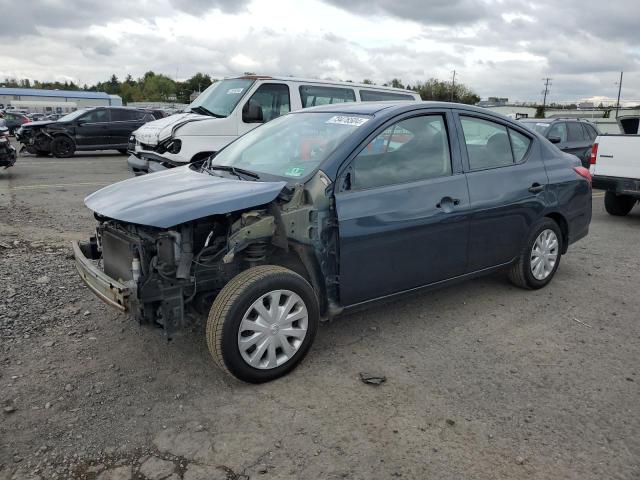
(615, 167)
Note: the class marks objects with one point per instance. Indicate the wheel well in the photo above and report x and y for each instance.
(302, 262)
(564, 228)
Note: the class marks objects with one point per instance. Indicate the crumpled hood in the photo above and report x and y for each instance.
(40, 123)
(156, 131)
(178, 195)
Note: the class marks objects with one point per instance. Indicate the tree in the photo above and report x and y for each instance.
(434, 89)
(366, 81)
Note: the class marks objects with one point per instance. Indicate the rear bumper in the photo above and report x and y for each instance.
(621, 186)
(7, 156)
(110, 291)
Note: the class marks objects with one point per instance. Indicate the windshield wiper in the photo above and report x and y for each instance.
(206, 111)
(238, 172)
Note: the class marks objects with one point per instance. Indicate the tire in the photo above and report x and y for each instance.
(122, 151)
(618, 205)
(62, 147)
(228, 324)
(521, 273)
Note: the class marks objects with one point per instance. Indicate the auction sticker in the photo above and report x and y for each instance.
(348, 120)
(234, 91)
(294, 172)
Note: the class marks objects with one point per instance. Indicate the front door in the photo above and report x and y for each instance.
(402, 211)
(93, 128)
(507, 183)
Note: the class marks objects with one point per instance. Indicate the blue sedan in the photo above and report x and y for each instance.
(328, 209)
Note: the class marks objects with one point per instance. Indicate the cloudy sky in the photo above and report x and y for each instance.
(497, 47)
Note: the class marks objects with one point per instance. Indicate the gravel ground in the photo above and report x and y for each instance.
(483, 380)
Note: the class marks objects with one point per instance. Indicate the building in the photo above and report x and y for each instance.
(53, 101)
(493, 102)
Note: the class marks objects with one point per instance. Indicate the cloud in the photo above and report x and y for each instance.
(434, 12)
(497, 47)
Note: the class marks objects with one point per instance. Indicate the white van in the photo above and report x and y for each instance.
(232, 107)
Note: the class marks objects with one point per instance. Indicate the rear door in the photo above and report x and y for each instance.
(578, 143)
(402, 209)
(507, 182)
(123, 122)
(93, 128)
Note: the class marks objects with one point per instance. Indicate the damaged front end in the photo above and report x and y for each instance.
(7, 152)
(170, 276)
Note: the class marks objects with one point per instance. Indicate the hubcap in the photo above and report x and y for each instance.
(273, 329)
(544, 254)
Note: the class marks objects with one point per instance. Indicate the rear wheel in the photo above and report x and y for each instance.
(63, 147)
(540, 256)
(262, 323)
(618, 205)
(122, 151)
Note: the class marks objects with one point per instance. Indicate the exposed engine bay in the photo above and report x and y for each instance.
(174, 274)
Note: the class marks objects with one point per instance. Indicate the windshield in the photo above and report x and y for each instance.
(540, 127)
(291, 146)
(71, 116)
(221, 98)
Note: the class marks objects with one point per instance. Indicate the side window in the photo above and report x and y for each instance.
(311, 95)
(269, 101)
(373, 96)
(487, 143)
(121, 115)
(519, 144)
(575, 132)
(410, 150)
(558, 130)
(589, 131)
(96, 116)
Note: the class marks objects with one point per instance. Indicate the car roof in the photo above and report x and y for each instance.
(397, 106)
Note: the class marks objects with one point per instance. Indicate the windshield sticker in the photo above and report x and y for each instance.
(234, 91)
(294, 172)
(346, 120)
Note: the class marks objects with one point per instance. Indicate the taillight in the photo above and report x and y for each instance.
(583, 172)
(24, 120)
(594, 154)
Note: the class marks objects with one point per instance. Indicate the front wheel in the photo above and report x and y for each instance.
(262, 323)
(618, 205)
(62, 147)
(540, 256)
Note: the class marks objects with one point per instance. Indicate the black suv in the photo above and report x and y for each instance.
(100, 128)
(571, 135)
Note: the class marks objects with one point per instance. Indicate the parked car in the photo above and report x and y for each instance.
(329, 209)
(615, 167)
(34, 117)
(14, 121)
(53, 116)
(7, 151)
(100, 128)
(234, 106)
(571, 135)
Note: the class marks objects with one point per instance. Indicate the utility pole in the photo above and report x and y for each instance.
(453, 85)
(619, 90)
(545, 92)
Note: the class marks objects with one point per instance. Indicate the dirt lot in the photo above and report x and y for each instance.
(483, 380)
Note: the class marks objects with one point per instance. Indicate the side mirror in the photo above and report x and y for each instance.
(555, 139)
(252, 112)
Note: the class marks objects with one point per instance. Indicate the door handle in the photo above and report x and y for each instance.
(536, 188)
(448, 202)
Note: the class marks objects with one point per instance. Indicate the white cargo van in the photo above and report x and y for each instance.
(232, 107)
